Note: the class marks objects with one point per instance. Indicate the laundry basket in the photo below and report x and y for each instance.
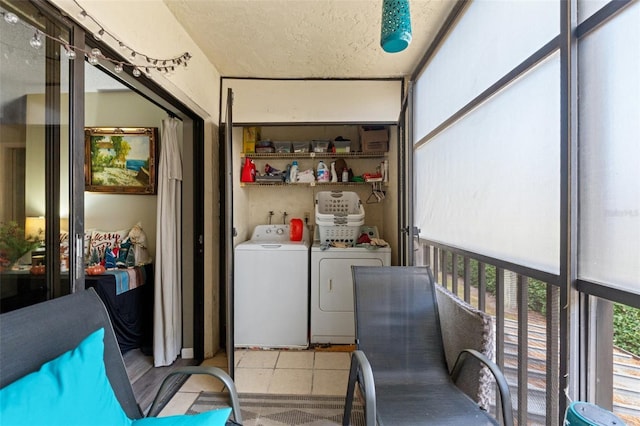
(339, 216)
(330, 204)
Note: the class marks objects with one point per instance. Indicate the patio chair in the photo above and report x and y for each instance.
(37, 334)
(400, 360)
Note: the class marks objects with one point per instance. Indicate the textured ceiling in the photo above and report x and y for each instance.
(304, 38)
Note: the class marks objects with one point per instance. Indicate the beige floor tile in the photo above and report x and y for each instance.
(330, 382)
(295, 359)
(258, 359)
(253, 380)
(202, 382)
(292, 381)
(332, 360)
(238, 354)
(219, 360)
(179, 404)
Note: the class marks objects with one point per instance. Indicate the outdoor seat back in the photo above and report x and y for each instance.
(37, 334)
(399, 340)
(32, 336)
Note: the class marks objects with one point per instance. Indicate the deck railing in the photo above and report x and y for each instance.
(527, 321)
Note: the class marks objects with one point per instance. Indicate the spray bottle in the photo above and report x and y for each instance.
(334, 175)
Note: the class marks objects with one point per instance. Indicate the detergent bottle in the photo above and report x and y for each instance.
(323, 172)
(248, 171)
(293, 173)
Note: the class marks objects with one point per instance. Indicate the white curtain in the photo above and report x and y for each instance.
(167, 311)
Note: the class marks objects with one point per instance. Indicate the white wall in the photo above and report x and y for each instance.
(313, 101)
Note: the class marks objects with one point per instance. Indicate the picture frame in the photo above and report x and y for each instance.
(121, 160)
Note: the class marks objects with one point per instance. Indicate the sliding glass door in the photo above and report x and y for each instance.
(35, 206)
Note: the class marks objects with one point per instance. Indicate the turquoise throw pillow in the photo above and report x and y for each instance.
(209, 418)
(72, 389)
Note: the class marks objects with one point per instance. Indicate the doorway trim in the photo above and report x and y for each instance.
(193, 136)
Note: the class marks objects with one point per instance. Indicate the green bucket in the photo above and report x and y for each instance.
(587, 414)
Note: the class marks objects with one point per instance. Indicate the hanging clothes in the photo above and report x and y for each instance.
(167, 311)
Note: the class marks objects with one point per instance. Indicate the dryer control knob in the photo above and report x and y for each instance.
(280, 231)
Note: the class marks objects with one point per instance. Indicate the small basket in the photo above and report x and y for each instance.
(338, 204)
(339, 216)
(339, 233)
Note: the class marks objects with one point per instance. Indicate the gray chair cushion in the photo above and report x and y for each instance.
(465, 327)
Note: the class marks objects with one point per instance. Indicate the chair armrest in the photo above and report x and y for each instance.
(212, 371)
(360, 364)
(503, 387)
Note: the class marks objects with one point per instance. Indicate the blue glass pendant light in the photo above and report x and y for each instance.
(395, 35)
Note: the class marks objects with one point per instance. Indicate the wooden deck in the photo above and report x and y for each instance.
(626, 375)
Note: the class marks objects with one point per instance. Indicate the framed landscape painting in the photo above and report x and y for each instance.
(120, 160)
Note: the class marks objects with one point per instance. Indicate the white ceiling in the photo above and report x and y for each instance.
(304, 38)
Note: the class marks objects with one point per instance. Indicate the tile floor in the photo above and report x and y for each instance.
(271, 371)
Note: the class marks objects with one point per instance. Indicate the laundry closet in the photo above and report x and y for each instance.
(345, 128)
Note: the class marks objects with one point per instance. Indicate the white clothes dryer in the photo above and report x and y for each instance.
(332, 313)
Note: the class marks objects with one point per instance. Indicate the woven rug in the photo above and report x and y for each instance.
(278, 410)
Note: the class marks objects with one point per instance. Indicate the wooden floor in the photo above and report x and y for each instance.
(146, 379)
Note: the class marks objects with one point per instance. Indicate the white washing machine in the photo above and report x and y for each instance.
(332, 318)
(271, 290)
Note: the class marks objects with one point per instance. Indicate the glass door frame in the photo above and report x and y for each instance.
(76, 189)
(51, 22)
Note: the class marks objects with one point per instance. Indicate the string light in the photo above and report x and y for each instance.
(36, 41)
(101, 32)
(71, 54)
(11, 18)
(94, 56)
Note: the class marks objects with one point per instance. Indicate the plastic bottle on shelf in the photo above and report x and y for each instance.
(345, 175)
(385, 169)
(254, 171)
(322, 172)
(247, 175)
(293, 173)
(334, 175)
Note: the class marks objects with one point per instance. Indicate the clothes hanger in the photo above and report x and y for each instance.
(377, 194)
